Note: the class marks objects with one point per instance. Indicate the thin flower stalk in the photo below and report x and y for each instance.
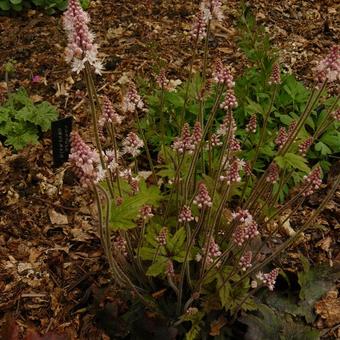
(291, 240)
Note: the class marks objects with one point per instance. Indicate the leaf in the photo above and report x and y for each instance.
(266, 327)
(176, 242)
(158, 267)
(5, 5)
(254, 107)
(224, 292)
(124, 215)
(297, 162)
(15, 2)
(41, 115)
(323, 148)
(193, 333)
(147, 253)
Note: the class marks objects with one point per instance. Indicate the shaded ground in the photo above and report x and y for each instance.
(52, 272)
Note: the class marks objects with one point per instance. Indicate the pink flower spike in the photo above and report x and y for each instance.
(230, 101)
(275, 78)
(109, 113)
(305, 145)
(312, 182)
(213, 252)
(199, 27)
(329, 68)
(222, 75)
(281, 138)
(162, 236)
(80, 48)
(132, 100)
(185, 216)
(202, 199)
(121, 245)
(132, 144)
(269, 279)
(251, 126)
(185, 143)
(146, 212)
(273, 173)
(245, 260)
(336, 115)
(85, 161)
(162, 80)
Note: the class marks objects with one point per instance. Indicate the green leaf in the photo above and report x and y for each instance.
(297, 162)
(147, 253)
(176, 242)
(41, 115)
(5, 5)
(224, 292)
(323, 148)
(15, 2)
(158, 267)
(254, 107)
(124, 215)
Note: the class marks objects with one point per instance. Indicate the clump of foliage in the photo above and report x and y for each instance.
(253, 96)
(21, 120)
(184, 224)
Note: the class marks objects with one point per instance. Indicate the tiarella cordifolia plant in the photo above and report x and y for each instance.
(197, 223)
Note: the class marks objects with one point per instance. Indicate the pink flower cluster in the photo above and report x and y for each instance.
(145, 212)
(132, 100)
(185, 215)
(251, 126)
(84, 160)
(281, 138)
(215, 140)
(162, 80)
(222, 75)
(275, 78)
(188, 142)
(132, 144)
(273, 173)
(109, 113)
(121, 245)
(305, 145)
(329, 68)
(230, 101)
(269, 279)
(213, 252)
(199, 27)
(112, 162)
(312, 182)
(228, 123)
(246, 230)
(336, 115)
(202, 199)
(212, 9)
(80, 48)
(162, 236)
(245, 260)
(233, 169)
(234, 145)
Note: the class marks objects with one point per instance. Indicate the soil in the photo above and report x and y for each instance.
(53, 276)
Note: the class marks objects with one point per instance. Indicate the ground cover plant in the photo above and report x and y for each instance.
(21, 120)
(184, 231)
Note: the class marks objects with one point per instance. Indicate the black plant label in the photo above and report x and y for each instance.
(61, 130)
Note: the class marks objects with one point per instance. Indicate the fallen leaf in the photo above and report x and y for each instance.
(57, 218)
(325, 243)
(329, 308)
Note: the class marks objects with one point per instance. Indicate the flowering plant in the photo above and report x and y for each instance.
(193, 222)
